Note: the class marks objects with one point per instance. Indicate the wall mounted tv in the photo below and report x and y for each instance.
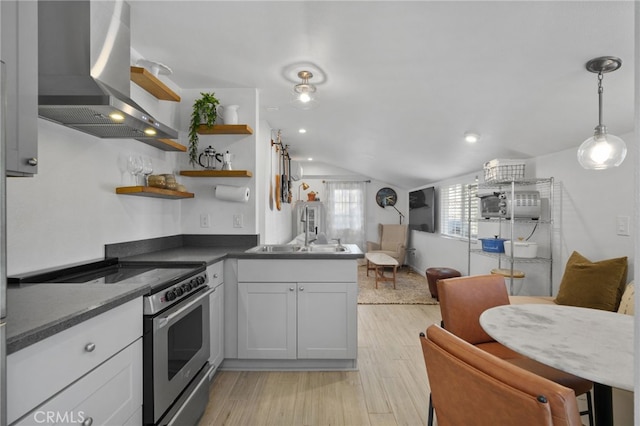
(422, 210)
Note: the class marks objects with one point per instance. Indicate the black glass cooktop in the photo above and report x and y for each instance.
(113, 271)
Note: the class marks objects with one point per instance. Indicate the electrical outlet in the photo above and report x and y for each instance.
(622, 225)
(237, 221)
(205, 220)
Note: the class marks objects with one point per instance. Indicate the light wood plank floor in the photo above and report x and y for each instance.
(390, 387)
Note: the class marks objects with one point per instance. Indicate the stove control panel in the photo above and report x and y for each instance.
(156, 302)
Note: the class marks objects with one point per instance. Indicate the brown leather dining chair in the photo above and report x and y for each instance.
(464, 299)
(473, 387)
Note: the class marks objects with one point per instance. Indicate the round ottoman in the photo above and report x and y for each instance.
(440, 273)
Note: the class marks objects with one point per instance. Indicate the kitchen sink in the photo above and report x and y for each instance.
(293, 248)
(325, 248)
(276, 248)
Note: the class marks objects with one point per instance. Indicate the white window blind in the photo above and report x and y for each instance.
(457, 202)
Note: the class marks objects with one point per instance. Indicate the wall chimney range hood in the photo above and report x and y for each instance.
(84, 70)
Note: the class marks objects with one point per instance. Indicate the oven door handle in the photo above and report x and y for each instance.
(162, 322)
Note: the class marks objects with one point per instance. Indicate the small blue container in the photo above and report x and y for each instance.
(493, 245)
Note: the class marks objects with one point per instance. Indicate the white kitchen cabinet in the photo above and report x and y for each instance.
(316, 219)
(297, 309)
(109, 395)
(216, 312)
(267, 320)
(19, 51)
(304, 320)
(66, 360)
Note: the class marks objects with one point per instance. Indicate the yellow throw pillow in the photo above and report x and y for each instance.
(597, 285)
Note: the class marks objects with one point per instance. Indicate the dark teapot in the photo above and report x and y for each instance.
(210, 158)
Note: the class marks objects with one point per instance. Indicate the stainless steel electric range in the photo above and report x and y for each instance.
(176, 330)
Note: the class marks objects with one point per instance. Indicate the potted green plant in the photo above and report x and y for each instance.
(205, 111)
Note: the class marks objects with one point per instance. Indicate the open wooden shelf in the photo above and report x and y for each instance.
(153, 85)
(165, 144)
(216, 173)
(150, 191)
(225, 129)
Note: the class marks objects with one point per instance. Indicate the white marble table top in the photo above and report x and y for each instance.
(590, 343)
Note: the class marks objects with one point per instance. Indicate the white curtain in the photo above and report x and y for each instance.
(345, 212)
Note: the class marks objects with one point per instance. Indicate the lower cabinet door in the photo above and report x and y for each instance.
(109, 395)
(266, 320)
(327, 323)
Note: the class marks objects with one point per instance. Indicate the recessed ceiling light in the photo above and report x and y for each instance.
(309, 159)
(471, 137)
(302, 130)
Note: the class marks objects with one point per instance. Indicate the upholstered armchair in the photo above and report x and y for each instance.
(471, 386)
(392, 242)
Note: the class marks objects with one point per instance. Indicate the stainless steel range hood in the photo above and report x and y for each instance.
(84, 70)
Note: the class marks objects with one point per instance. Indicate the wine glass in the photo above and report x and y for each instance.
(123, 161)
(147, 169)
(134, 166)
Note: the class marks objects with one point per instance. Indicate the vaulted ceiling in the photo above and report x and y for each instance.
(399, 83)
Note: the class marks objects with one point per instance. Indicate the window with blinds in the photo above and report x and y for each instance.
(458, 203)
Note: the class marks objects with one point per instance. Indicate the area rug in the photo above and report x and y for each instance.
(411, 288)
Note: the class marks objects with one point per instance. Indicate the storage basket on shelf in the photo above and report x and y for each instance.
(499, 170)
(524, 249)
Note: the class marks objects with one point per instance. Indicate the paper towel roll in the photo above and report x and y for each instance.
(232, 193)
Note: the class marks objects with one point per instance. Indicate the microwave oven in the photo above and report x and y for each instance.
(524, 205)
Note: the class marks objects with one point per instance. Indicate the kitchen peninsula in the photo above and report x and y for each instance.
(282, 309)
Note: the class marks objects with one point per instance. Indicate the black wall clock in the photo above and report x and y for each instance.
(386, 197)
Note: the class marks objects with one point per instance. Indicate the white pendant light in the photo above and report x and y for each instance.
(304, 93)
(602, 150)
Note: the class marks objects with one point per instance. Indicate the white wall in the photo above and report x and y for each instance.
(244, 157)
(586, 208)
(69, 210)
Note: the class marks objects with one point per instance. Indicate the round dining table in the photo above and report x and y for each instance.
(590, 343)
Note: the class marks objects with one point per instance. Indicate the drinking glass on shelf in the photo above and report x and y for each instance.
(123, 161)
(147, 169)
(134, 166)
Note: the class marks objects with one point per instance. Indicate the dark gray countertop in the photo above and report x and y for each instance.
(37, 311)
(210, 255)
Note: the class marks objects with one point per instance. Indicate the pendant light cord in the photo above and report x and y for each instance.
(600, 90)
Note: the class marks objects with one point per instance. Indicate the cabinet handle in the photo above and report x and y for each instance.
(88, 421)
(301, 288)
(32, 161)
(291, 289)
(90, 347)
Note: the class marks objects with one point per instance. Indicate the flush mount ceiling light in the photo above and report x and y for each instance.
(304, 93)
(471, 137)
(602, 150)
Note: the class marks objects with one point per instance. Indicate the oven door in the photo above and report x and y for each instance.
(180, 349)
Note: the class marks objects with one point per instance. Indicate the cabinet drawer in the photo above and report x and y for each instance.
(43, 369)
(216, 274)
(109, 395)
